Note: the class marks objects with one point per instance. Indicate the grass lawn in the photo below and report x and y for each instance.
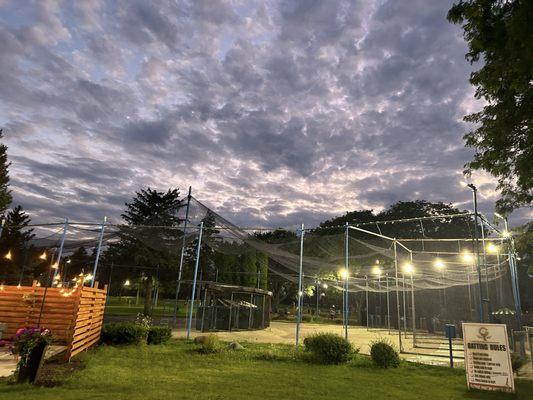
(176, 371)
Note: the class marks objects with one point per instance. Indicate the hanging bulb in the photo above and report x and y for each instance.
(18, 286)
(8, 255)
(43, 256)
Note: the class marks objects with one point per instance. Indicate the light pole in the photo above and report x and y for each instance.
(476, 237)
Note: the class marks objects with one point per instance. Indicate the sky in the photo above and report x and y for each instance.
(275, 112)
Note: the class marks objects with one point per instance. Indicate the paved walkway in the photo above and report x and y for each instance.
(8, 364)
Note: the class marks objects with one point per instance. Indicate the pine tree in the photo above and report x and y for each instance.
(5, 193)
(15, 241)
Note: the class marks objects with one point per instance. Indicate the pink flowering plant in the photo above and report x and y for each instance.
(26, 339)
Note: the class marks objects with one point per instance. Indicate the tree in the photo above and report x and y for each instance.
(5, 193)
(149, 239)
(501, 33)
(16, 237)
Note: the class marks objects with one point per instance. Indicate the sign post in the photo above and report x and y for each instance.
(487, 357)
(450, 334)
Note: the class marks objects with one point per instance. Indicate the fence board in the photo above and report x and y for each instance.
(76, 319)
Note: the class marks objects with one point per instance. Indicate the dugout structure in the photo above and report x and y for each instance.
(233, 308)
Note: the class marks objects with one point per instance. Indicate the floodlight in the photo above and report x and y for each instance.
(376, 270)
(468, 257)
(438, 263)
(343, 273)
(492, 248)
(408, 268)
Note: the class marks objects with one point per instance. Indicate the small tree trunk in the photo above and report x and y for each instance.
(148, 297)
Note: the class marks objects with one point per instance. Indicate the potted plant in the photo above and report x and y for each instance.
(29, 345)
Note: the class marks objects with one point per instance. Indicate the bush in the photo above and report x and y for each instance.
(159, 334)
(517, 361)
(307, 318)
(209, 344)
(124, 333)
(384, 355)
(329, 348)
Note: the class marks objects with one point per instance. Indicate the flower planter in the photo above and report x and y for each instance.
(28, 372)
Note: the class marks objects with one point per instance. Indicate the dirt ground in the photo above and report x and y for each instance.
(285, 332)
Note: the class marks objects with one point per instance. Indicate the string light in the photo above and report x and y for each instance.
(18, 286)
(8, 255)
(55, 265)
(376, 270)
(438, 263)
(343, 273)
(43, 256)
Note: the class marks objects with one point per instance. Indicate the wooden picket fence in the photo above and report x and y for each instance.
(75, 318)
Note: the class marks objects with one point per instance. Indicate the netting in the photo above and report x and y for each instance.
(409, 274)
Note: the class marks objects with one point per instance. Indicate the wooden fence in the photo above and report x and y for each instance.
(74, 317)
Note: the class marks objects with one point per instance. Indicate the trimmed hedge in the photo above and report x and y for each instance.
(384, 355)
(124, 333)
(329, 348)
(159, 334)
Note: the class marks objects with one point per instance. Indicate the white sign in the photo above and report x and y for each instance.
(487, 357)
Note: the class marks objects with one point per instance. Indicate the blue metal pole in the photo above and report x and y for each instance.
(98, 250)
(56, 270)
(300, 293)
(178, 286)
(193, 294)
(346, 283)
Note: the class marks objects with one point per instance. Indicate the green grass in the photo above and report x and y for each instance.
(126, 306)
(176, 371)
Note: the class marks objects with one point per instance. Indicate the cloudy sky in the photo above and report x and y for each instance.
(276, 112)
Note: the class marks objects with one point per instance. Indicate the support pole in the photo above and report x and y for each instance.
(178, 285)
(346, 266)
(191, 305)
(61, 245)
(388, 302)
(413, 301)
(300, 294)
(478, 266)
(98, 250)
(397, 296)
(2, 224)
(366, 294)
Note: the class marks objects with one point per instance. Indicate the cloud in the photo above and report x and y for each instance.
(276, 112)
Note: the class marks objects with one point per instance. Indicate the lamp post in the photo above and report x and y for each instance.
(476, 238)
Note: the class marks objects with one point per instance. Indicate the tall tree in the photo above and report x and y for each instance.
(148, 239)
(15, 240)
(5, 193)
(500, 33)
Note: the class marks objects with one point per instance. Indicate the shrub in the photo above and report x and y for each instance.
(384, 355)
(517, 361)
(124, 333)
(329, 348)
(159, 334)
(307, 318)
(210, 344)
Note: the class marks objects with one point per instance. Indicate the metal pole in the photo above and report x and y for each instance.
(486, 268)
(317, 296)
(300, 294)
(98, 250)
(397, 296)
(413, 309)
(109, 285)
(346, 283)
(2, 226)
(413, 301)
(178, 286)
(189, 324)
(388, 303)
(404, 303)
(62, 243)
(366, 292)
(478, 266)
